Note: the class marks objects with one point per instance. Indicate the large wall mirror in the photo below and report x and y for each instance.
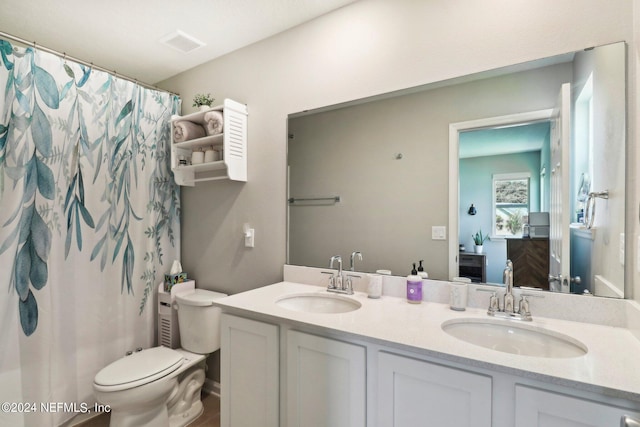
(532, 155)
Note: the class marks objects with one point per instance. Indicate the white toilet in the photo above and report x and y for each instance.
(160, 386)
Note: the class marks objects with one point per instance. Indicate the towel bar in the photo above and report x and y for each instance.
(334, 199)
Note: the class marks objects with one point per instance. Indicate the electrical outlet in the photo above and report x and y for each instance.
(439, 232)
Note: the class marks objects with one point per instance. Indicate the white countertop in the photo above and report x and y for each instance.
(611, 365)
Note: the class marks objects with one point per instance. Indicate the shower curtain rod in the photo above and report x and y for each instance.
(80, 61)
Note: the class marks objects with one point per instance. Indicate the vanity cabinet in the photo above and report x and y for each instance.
(414, 392)
(288, 375)
(541, 408)
(231, 146)
(249, 377)
(326, 382)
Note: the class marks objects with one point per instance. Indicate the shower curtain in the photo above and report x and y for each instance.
(89, 224)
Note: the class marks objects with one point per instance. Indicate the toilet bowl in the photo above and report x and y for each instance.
(160, 386)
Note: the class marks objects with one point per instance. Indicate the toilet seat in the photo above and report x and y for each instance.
(138, 369)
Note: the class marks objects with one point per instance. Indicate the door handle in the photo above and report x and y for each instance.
(627, 421)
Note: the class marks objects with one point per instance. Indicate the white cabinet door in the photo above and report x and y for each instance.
(539, 408)
(249, 377)
(414, 393)
(326, 382)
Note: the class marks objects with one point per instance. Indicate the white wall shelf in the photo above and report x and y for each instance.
(232, 144)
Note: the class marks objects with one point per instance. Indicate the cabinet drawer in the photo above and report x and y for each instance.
(471, 260)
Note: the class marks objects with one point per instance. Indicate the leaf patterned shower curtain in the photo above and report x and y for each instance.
(89, 223)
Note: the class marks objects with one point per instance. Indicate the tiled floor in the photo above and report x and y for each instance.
(209, 418)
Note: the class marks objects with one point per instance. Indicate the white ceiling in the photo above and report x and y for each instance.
(124, 35)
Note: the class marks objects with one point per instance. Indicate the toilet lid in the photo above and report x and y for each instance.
(138, 369)
(198, 297)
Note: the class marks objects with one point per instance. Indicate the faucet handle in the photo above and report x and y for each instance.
(494, 303)
(523, 306)
(332, 279)
(349, 282)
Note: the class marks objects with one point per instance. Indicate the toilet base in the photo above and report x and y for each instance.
(184, 404)
(188, 416)
(142, 406)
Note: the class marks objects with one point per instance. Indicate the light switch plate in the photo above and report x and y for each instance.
(621, 249)
(249, 236)
(439, 232)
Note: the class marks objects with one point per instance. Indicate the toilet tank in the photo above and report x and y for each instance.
(199, 320)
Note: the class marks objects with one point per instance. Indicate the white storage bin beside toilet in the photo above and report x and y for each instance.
(168, 330)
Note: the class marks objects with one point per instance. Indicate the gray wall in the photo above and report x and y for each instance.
(388, 206)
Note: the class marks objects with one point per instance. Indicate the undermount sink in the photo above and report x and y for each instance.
(315, 302)
(509, 337)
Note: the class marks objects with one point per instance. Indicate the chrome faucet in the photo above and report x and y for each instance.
(507, 276)
(353, 256)
(508, 309)
(336, 282)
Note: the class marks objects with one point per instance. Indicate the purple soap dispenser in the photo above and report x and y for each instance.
(414, 287)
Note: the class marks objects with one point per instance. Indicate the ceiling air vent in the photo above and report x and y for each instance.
(182, 42)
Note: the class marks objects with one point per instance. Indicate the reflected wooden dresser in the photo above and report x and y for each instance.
(530, 259)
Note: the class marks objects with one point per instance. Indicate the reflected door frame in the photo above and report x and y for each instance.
(454, 175)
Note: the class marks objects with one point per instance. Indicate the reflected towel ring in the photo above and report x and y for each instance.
(590, 208)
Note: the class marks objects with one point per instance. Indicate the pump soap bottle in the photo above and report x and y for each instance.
(414, 287)
(421, 271)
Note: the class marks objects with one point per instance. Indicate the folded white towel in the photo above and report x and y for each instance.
(213, 122)
(185, 130)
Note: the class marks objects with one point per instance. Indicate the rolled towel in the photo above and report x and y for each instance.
(213, 122)
(185, 130)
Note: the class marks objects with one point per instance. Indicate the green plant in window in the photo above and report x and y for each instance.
(515, 223)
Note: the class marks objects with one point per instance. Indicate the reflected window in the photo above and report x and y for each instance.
(510, 203)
